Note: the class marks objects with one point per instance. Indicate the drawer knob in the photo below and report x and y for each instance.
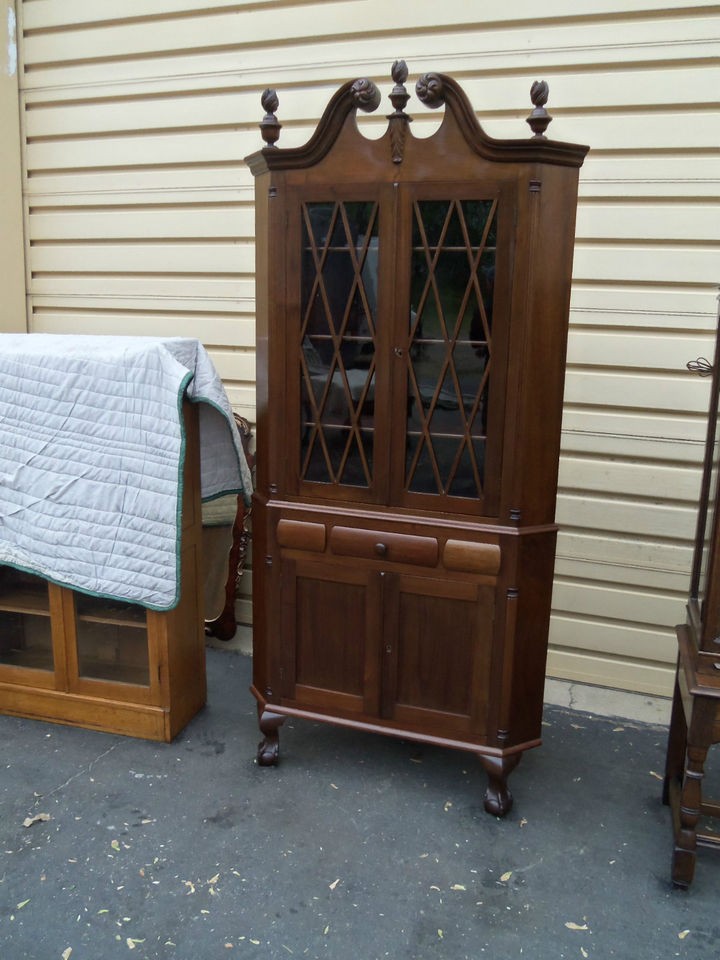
(381, 549)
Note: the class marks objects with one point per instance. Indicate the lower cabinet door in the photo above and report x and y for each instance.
(437, 646)
(409, 651)
(330, 635)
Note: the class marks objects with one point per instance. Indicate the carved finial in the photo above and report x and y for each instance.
(399, 71)
(270, 127)
(399, 120)
(539, 118)
(429, 90)
(366, 95)
(399, 95)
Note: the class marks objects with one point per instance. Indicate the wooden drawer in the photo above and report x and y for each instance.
(381, 545)
(299, 535)
(471, 557)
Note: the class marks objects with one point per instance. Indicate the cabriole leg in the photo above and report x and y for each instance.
(268, 750)
(498, 799)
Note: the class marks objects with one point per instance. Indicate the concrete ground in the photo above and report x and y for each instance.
(356, 846)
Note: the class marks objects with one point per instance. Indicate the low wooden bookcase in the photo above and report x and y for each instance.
(104, 664)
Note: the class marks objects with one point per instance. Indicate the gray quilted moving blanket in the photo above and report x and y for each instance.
(92, 447)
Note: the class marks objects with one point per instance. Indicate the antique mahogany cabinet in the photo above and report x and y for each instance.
(412, 307)
(695, 719)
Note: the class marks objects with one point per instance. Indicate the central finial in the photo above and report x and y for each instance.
(399, 120)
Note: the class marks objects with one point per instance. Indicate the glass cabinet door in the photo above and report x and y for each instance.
(112, 640)
(451, 355)
(25, 626)
(426, 294)
(338, 316)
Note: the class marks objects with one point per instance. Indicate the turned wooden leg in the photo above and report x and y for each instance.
(684, 854)
(677, 743)
(498, 799)
(268, 750)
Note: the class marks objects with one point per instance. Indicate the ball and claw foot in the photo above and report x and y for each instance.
(268, 752)
(498, 798)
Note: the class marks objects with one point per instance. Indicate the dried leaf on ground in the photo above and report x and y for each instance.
(38, 818)
(506, 876)
(683, 934)
(576, 926)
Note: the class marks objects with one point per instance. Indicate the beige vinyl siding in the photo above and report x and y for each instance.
(139, 217)
(12, 254)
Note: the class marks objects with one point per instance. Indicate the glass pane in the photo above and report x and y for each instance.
(25, 634)
(337, 362)
(112, 642)
(452, 290)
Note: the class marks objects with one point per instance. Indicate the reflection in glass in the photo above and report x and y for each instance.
(25, 633)
(452, 290)
(337, 355)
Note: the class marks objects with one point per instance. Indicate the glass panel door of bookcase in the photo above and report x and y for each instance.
(112, 640)
(25, 627)
(452, 280)
(339, 284)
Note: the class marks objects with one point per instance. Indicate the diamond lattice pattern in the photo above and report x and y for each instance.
(337, 357)
(449, 360)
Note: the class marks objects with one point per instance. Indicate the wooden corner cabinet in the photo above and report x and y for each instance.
(412, 307)
(695, 718)
(104, 664)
